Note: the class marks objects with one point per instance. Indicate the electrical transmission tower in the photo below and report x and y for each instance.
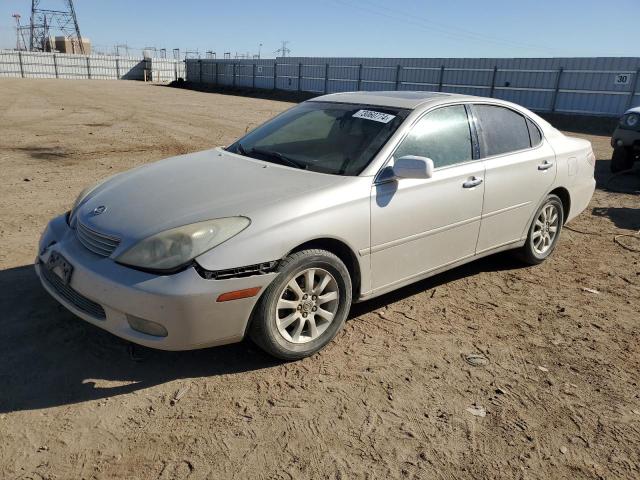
(21, 44)
(283, 51)
(64, 21)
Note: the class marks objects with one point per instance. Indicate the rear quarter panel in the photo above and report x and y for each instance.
(575, 170)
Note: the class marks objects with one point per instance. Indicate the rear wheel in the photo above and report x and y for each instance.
(303, 309)
(544, 231)
(622, 159)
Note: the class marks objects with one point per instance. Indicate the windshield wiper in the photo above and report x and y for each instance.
(276, 155)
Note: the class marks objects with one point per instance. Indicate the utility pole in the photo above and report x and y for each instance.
(125, 47)
(147, 52)
(259, 50)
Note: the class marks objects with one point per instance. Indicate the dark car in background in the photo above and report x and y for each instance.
(626, 141)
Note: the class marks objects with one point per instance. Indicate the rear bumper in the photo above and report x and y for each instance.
(184, 303)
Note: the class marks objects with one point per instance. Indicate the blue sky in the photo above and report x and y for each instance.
(402, 28)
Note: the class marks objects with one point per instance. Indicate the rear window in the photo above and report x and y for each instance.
(534, 133)
(501, 130)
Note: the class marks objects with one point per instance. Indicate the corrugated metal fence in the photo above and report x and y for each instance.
(59, 65)
(594, 86)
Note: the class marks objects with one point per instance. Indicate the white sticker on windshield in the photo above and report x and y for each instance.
(375, 116)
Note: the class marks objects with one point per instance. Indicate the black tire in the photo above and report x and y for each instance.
(528, 253)
(264, 330)
(621, 160)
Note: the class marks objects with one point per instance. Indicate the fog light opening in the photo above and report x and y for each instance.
(146, 326)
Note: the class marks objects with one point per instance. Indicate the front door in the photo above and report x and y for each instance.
(419, 225)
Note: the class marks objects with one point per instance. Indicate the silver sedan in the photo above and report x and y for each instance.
(339, 199)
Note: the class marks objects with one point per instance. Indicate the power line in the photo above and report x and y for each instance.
(469, 33)
(455, 33)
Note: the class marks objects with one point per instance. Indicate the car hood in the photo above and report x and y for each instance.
(192, 188)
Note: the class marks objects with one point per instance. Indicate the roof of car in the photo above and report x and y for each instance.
(398, 99)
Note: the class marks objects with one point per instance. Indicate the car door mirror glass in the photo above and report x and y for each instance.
(412, 166)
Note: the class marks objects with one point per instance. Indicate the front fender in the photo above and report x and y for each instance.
(341, 213)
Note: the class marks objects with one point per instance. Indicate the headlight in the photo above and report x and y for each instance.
(632, 120)
(173, 248)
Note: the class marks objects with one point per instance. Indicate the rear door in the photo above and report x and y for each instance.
(520, 169)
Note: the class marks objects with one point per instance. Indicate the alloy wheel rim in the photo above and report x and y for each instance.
(307, 305)
(545, 229)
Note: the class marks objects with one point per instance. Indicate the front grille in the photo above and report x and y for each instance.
(97, 242)
(79, 301)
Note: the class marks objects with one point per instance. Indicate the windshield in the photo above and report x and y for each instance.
(335, 138)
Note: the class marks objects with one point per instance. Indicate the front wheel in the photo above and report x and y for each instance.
(544, 231)
(303, 309)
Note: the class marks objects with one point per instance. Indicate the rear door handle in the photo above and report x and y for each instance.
(472, 182)
(546, 165)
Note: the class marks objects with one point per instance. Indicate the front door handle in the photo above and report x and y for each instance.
(546, 165)
(472, 182)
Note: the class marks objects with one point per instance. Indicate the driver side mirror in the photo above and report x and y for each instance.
(412, 166)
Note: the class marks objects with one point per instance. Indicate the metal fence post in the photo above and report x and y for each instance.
(441, 78)
(398, 69)
(275, 75)
(118, 68)
(216, 74)
(235, 65)
(175, 71)
(55, 64)
(88, 68)
(300, 76)
(493, 81)
(556, 90)
(636, 83)
(199, 71)
(21, 65)
(359, 77)
(253, 76)
(326, 77)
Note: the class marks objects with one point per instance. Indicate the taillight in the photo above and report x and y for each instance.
(591, 158)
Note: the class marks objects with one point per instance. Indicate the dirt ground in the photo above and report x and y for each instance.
(387, 399)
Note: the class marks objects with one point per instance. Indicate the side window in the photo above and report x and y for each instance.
(442, 135)
(534, 133)
(501, 130)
